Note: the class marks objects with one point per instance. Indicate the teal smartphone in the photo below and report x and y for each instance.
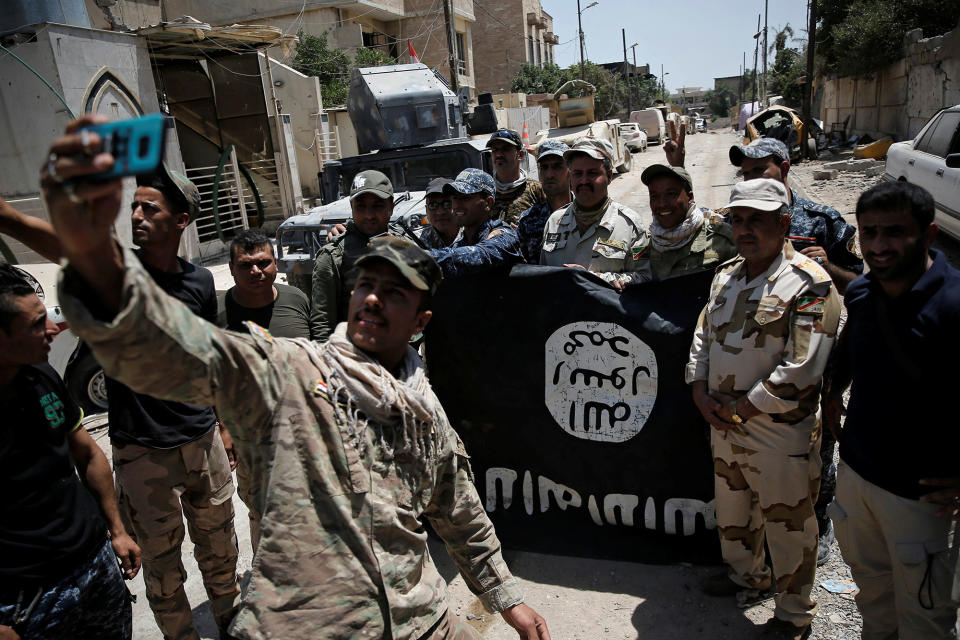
(136, 145)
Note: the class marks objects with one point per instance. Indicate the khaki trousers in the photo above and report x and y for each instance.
(768, 495)
(156, 488)
(902, 557)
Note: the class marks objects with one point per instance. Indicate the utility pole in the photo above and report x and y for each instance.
(743, 71)
(580, 33)
(663, 86)
(452, 44)
(756, 78)
(808, 85)
(623, 32)
(764, 105)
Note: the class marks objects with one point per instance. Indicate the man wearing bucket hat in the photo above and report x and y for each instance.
(683, 236)
(555, 180)
(485, 242)
(359, 449)
(371, 205)
(756, 367)
(515, 192)
(594, 232)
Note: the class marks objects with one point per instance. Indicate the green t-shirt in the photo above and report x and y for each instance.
(288, 316)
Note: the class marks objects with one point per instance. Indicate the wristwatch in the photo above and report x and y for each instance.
(733, 413)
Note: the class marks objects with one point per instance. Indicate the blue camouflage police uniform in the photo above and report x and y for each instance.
(493, 245)
(532, 221)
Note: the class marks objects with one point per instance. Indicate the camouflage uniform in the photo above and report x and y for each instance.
(712, 245)
(616, 248)
(495, 244)
(195, 477)
(769, 339)
(343, 550)
(508, 205)
(333, 277)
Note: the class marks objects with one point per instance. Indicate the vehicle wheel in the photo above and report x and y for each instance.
(812, 149)
(627, 163)
(87, 384)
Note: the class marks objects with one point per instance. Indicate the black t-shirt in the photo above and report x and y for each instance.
(49, 522)
(139, 419)
(288, 316)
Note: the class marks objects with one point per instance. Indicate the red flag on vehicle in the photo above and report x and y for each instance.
(413, 54)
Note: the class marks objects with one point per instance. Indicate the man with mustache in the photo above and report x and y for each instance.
(683, 236)
(169, 457)
(515, 191)
(359, 449)
(555, 180)
(594, 232)
(371, 205)
(485, 243)
(899, 482)
(756, 366)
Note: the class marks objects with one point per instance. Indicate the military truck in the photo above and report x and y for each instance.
(410, 126)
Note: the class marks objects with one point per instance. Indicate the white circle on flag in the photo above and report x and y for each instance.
(601, 381)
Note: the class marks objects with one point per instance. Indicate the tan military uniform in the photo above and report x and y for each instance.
(343, 551)
(616, 248)
(712, 245)
(769, 339)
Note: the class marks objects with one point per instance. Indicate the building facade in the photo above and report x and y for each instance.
(511, 33)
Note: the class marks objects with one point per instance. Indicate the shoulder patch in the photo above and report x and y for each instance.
(853, 246)
(257, 331)
(810, 304)
(616, 244)
(640, 252)
(494, 233)
(814, 270)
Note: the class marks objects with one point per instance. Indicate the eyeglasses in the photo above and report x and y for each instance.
(433, 206)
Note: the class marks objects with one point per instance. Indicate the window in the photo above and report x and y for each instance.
(530, 48)
(461, 54)
(539, 61)
(938, 137)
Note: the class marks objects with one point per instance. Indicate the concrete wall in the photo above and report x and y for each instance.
(71, 59)
(299, 96)
(130, 13)
(229, 11)
(424, 26)
(899, 99)
(503, 36)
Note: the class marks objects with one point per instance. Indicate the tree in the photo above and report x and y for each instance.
(371, 58)
(859, 37)
(533, 79)
(330, 66)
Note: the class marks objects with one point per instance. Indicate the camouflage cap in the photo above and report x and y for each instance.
(437, 184)
(551, 148)
(414, 264)
(759, 148)
(371, 182)
(656, 170)
(507, 135)
(179, 183)
(471, 181)
(596, 148)
(763, 194)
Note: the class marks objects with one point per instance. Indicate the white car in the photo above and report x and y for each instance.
(701, 125)
(932, 161)
(70, 357)
(633, 136)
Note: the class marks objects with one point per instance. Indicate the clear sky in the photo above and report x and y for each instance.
(695, 40)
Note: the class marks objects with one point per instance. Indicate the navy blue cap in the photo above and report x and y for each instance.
(472, 181)
(507, 135)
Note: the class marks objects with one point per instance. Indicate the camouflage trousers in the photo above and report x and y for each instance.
(92, 602)
(449, 627)
(902, 556)
(156, 488)
(245, 490)
(768, 495)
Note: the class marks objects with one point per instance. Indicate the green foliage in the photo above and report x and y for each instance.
(720, 100)
(314, 57)
(611, 98)
(788, 68)
(533, 79)
(859, 37)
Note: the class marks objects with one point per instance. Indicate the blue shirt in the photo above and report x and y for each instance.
(813, 220)
(493, 245)
(902, 420)
(530, 231)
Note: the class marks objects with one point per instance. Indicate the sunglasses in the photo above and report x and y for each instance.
(433, 206)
